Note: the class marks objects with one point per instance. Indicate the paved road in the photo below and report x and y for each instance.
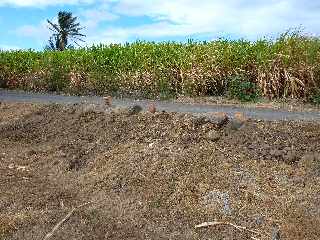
(258, 114)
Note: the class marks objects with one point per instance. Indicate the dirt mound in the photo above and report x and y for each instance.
(154, 176)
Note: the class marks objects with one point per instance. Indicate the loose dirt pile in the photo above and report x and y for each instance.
(154, 176)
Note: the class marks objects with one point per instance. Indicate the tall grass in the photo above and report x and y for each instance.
(286, 67)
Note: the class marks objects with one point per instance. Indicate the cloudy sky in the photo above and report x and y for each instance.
(23, 22)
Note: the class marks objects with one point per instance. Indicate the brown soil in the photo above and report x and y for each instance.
(154, 176)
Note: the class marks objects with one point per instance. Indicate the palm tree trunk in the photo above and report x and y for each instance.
(62, 44)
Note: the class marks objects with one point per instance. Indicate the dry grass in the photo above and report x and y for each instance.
(286, 67)
(154, 176)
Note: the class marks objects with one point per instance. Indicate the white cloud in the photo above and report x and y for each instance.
(111, 35)
(249, 19)
(89, 18)
(181, 18)
(39, 31)
(184, 18)
(94, 16)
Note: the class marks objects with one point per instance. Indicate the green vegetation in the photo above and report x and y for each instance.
(286, 67)
(315, 98)
(242, 89)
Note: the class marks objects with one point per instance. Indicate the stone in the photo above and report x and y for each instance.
(199, 120)
(135, 110)
(221, 199)
(310, 162)
(213, 135)
(235, 124)
(152, 108)
(276, 153)
(220, 119)
(238, 121)
(108, 100)
(116, 110)
(290, 157)
(259, 220)
(240, 116)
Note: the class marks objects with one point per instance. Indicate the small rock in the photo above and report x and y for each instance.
(290, 157)
(235, 124)
(220, 119)
(222, 199)
(213, 135)
(226, 204)
(108, 100)
(238, 121)
(259, 220)
(117, 110)
(135, 110)
(310, 162)
(152, 108)
(240, 116)
(201, 120)
(276, 153)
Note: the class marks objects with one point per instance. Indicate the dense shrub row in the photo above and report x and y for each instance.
(286, 67)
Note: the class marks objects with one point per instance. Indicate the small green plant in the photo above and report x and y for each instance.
(57, 82)
(315, 98)
(242, 89)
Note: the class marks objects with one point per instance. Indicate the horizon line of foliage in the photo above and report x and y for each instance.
(286, 67)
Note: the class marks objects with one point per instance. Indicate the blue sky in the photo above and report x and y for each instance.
(23, 22)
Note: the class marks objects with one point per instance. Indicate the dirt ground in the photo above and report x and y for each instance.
(154, 176)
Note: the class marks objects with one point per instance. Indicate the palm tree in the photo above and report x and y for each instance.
(53, 43)
(66, 28)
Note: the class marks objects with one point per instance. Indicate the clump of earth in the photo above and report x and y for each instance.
(130, 174)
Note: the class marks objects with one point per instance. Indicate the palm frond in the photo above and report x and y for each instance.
(54, 26)
(67, 27)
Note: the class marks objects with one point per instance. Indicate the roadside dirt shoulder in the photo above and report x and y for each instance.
(154, 176)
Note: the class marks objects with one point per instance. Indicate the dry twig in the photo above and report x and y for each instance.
(240, 228)
(56, 227)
